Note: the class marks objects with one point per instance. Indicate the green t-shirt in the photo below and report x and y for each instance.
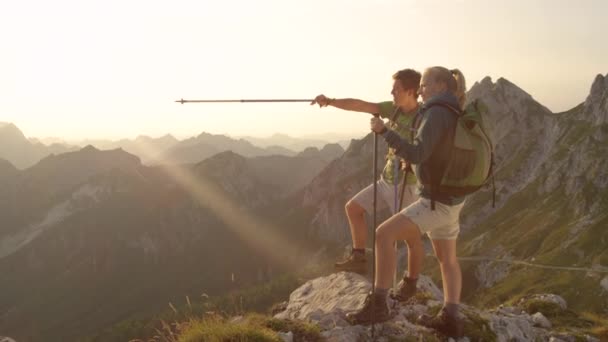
(402, 126)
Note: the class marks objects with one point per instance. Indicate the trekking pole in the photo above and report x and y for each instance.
(402, 190)
(375, 172)
(396, 208)
(401, 194)
(182, 101)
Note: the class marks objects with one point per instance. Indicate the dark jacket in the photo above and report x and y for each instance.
(435, 138)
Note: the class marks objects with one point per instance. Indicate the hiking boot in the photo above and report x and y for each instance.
(354, 262)
(406, 289)
(449, 325)
(365, 315)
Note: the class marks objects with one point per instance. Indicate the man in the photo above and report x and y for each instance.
(435, 213)
(401, 112)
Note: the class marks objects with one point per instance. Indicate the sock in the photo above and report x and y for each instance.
(451, 309)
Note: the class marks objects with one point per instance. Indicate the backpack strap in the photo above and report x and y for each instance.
(395, 115)
(414, 126)
(452, 109)
(393, 119)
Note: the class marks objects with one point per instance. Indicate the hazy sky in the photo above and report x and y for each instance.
(76, 69)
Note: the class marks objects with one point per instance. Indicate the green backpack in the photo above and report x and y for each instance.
(472, 156)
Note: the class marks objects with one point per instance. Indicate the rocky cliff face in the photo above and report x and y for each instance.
(326, 301)
(596, 104)
(552, 197)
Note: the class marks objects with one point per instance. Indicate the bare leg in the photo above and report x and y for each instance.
(356, 219)
(445, 250)
(415, 257)
(398, 227)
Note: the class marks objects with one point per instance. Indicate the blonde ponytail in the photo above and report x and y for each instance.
(453, 79)
(461, 87)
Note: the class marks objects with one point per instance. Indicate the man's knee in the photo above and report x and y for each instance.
(353, 208)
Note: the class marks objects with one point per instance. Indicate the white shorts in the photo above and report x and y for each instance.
(386, 196)
(439, 224)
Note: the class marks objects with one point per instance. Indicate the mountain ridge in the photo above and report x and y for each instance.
(132, 222)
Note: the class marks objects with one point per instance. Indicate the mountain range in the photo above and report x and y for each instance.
(94, 226)
(24, 152)
(300, 143)
(91, 237)
(21, 152)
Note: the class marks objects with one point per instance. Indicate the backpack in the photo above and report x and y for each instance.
(471, 160)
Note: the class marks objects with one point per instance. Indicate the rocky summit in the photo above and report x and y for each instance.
(325, 302)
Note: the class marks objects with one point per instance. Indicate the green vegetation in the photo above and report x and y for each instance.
(477, 328)
(569, 321)
(547, 308)
(251, 328)
(220, 331)
(422, 336)
(599, 327)
(302, 331)
(422, 297)
(254, 299)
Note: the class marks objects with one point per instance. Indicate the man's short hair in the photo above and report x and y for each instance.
(409, 78)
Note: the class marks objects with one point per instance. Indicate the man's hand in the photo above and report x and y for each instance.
(377, 125)
(322, 101)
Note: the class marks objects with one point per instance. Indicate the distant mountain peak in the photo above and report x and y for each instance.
(503, 82)
(502, 85)
(309, 152)
(205, 135)
(226, 163)
(596, 104)
(8, 130)
(599, 86)
(91, 155)
(168, 136)
(6, 165)
(505, 96)
(485, 83)
(89, 148)
(332, 146)
(144, 137)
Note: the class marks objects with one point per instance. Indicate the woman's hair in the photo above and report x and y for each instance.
(453, 79)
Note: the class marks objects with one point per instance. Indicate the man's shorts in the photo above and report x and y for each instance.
(386, 196)
(439, 224)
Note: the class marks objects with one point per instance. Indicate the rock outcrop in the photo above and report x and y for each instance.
(326, 301)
